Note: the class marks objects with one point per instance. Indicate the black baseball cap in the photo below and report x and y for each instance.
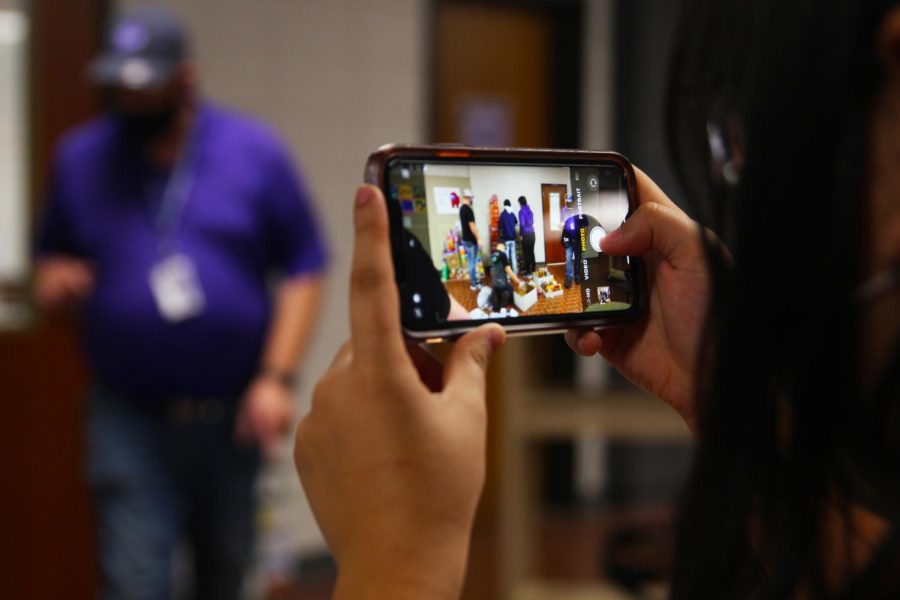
(143, 49)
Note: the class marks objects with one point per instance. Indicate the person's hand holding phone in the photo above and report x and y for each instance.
(393, 471)
(659, 353)
(62, 282)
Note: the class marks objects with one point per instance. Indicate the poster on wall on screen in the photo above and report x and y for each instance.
(446, 200)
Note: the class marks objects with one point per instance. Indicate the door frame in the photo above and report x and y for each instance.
(554, 253)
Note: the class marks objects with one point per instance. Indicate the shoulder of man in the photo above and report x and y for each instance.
(85, 140)
(244, 132)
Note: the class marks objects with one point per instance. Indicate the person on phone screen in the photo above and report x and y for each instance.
(526, 230)
(471, 241)
(508, 234)
(501, 275)
(781, 115)
(183, 235)
(570, 239)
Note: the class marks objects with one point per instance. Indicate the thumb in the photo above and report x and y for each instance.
(465, 368)
(653, 227)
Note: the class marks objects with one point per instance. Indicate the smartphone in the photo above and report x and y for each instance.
(508, 235)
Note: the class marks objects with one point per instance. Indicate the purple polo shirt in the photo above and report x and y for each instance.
(246, 218)
(526, 219)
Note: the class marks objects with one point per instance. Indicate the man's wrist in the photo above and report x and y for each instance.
(284, 377)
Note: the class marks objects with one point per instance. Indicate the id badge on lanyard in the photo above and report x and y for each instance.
(176, 288)
(173, 279)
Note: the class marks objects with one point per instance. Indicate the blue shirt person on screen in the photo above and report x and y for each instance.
(186, 239)
(568, 242)
(508, 233)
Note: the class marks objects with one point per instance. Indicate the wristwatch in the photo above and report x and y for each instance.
(286, 378)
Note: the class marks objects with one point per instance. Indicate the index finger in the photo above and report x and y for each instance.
(374, 301)
(584, 341)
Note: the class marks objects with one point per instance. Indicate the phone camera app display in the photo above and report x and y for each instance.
(506, 242)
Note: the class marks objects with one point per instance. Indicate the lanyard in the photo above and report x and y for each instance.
(174, 198)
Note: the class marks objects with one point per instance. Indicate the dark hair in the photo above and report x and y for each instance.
(522, 201)
(768, 113)
(507, 202)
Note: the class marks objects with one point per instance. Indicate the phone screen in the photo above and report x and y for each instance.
(509, 242)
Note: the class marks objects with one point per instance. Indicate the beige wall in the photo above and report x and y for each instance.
(337, 78)
(439, 225)
(512, 182)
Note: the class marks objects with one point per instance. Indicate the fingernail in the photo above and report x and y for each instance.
(363, 195)
(497, 337)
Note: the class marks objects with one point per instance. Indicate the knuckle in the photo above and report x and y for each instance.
(652, 210)
(479, 357)
(366, 278)
(382, 382)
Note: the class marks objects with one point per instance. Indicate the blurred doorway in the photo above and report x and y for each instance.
(44, 512)
(507, 73)
(554, 201)
(504, 73)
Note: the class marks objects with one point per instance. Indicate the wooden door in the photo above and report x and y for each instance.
(522, 58)
(45, 519)
(553, 201)
(497, 56)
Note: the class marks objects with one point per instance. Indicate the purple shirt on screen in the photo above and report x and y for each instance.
(246, 218)
(526, 219)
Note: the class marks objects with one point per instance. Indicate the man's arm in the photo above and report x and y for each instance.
(512, 276)
(474, 231)
(63, 276)
(268, 405)
(296, 306)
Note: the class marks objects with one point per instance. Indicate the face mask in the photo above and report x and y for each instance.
(142, 128)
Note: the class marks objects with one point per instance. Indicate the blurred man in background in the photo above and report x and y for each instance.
(471, 241)
(182, 234)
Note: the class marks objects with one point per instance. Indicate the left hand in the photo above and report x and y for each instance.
(659, 353)
(265, 414)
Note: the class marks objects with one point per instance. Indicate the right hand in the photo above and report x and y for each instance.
(391, 455)
(659, 354)
(62, 282)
